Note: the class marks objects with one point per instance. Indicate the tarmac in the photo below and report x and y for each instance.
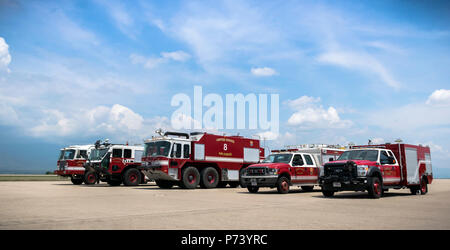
(62, 205)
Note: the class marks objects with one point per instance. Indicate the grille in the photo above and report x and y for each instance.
(62, 164)
(345, 170)
(257, 171)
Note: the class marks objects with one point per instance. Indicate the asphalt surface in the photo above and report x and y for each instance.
(61, 205)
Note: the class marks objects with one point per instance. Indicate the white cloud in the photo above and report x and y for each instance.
(5, 57)
(377, 140)
(265, 71)
(117, 122)
(359, 61)
(166, 57)
(439, 97)
(309, 114)
(179, 55)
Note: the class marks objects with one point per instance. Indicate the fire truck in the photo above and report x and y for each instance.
(114, 164)
(70, 162)
(378, 168)
(198, 158)
(295, 166)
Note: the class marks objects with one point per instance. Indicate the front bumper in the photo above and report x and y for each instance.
(67, 172)
(336, 183)
(260, 181)
(158, 174)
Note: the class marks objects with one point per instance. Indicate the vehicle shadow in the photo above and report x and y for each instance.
(274, 191)
(179, 188)
(361, 195)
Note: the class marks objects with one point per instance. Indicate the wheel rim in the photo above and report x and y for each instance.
(91, 178)
(423, 187)
(132, 178)
(376, 187)
(191, 178)
(284, 186)
(211, 178)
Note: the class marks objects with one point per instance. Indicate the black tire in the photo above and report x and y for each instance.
(375, 188)
(190, 178)
(90, 178)
(327, 193)
(423, 187)
(307, 188)
(76, 181)
(234, 184)
(241, 180)
(164, 184)
(131, 177)
(283, 185)
(252, 189)
(114, 182)
(209, 178)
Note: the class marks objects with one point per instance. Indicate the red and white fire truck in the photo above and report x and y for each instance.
(378, 168)
(295, 166)
(71, 161)
(197, 158)
(114, 164)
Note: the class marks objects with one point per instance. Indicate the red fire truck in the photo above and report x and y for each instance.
(296, 166)
(378, 168)
(71, 161)
(197, 158)
(114, 164)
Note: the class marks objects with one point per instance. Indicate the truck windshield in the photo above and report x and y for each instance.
(278, 158)
(97, 154)
(158, 148)
(368, 155)
(61, 154)
(68, 154)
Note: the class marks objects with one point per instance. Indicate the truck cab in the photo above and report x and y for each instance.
(198, 158)
(282, 170)
(372, 169)
(114, 164)
(70, 162)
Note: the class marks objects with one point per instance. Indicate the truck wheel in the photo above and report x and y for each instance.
(131, 177)
(164, 184)
(76, 181)
(375, 187)
(209, 178)
(190, 178)
(327, 193)
(253, 189)
(423, 187)
(307, 188)
(90, 178)
(283, 185)
(241, 180)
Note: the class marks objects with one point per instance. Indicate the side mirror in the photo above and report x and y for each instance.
(331, 159)
(391, 160)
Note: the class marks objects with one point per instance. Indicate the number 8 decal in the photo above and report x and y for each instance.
(225, 147)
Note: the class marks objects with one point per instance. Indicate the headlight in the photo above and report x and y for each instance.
(273, 171)
(362, 170)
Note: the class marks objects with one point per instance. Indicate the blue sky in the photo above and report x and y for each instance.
(346, 71)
